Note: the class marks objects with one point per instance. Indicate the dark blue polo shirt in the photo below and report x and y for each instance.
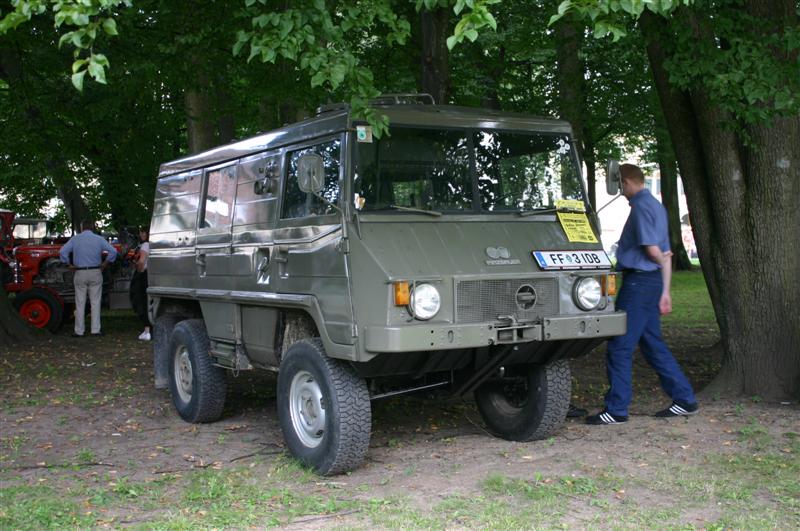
(646, 225)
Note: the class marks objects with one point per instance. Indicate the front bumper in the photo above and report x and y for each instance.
(431, 336)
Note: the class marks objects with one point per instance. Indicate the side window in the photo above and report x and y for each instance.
(220, 189)
(297, 204)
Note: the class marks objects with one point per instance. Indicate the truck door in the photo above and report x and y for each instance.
(213, 265)
(308, 257)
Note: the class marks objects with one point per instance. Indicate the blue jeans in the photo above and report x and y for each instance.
(639, 297)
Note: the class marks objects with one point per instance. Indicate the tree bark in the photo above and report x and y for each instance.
(669, 193)
(435, 27)
(13, 329)
(199, 105)
(570, 72)
(742, 197)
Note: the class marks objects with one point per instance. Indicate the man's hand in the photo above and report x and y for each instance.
(103, 266)
(665, 304)
(72, 267)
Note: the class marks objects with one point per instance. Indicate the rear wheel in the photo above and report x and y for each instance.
(162, 333)
(323, 409)
(531, 406)
(40, 308)
(198, 387)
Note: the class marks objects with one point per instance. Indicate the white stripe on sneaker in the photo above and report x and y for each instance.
(607, 418)
(678, 410)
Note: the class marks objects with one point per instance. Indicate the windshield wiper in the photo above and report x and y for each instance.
(417, 210)
(526, 213)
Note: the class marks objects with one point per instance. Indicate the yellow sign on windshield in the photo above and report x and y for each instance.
(572, 205)
(577, 227)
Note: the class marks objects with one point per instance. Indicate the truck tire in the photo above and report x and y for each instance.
(162, 331)
(198, 387)
(40, 308)
(323, 409)
(530, 409)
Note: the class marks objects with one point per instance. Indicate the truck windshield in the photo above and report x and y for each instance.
(449, 170)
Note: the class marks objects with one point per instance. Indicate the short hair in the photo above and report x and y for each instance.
(631, 172)
(87, 224)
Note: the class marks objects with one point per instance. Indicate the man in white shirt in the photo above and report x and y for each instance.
(87, 262)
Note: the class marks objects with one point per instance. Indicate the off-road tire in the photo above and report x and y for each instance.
(541, 410)
(40, 308)
(344, 438)
(162, 331)
(206, 396)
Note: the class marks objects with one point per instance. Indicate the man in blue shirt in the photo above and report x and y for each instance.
(87, 262)
(644, 257)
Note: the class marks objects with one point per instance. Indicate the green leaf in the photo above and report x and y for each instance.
(471, 34)
(78, 64)
(77, 80)
(98, 72)
(452, 40)
(110, 26)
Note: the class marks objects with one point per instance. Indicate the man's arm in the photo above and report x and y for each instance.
(112, 253)
(63, 254)
(664, 259)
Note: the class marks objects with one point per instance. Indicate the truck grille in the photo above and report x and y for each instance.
(479, 301)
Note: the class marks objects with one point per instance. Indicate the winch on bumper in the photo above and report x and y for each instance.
(431, 336)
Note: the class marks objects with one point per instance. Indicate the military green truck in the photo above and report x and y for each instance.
(433, 258)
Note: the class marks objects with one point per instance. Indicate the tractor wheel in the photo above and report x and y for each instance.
(40, 308)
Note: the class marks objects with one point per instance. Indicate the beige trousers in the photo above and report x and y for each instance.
(90, 280)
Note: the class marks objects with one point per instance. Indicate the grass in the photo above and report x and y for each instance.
(691, 304)
(755, 485)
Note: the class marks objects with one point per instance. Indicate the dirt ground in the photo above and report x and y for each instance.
(76, 409)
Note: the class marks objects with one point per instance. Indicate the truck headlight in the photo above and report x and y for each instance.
(425, 301)
(587, 293)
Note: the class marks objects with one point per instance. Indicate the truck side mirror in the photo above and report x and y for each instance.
(613, 177)
(311, 173)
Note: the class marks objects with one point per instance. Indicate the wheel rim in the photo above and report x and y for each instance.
(37, 312)
(183, 374)
(307, 409)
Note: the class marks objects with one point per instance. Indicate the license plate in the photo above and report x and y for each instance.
(572, 259)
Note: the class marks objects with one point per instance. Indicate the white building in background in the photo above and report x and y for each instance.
(614, 213)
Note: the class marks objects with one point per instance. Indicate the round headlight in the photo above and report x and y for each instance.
(587, 293)
(425, 301)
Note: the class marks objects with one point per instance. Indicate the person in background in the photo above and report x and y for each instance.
(139, 282)
(87, 262)
(645, 259)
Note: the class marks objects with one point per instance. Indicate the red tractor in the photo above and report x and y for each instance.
(43, 284)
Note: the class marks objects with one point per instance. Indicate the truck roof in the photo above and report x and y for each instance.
(337, 118)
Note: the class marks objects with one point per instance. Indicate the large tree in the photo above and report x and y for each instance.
(728, 81)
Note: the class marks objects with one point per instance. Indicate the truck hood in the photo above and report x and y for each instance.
(419, 249)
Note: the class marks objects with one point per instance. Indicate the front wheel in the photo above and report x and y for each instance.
(40, 308)
(527, 407)
(323, 409)
(198, 387)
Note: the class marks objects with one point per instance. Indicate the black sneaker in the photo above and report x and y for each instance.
(576, 412)
(98, 334)
(76, 335)
(604, 417)
(678, 410)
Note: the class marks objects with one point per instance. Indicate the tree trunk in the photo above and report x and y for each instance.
(742, 197)
(496, 69)
(200, 124)
(590, 159)
(435, 26)
(669, 193)
(570, 73)
(12, 328)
